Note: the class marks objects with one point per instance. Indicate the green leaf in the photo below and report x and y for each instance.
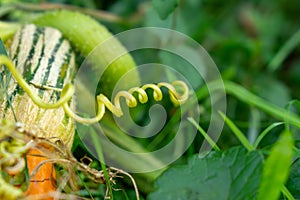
(234, 174)
(164, 7)
(276, 168)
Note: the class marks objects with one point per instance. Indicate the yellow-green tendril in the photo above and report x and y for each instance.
(8, 191)
(68, 91)
(66, 94)
(12, 150)
(131, 101)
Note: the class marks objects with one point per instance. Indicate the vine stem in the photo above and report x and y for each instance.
(67, 92)
(99, 14)
(103, 102)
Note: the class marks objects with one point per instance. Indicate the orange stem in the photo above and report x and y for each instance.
(44, 181)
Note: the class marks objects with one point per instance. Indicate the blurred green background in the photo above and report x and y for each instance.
(253, 43)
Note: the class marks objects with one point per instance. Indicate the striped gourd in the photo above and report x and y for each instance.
(46, 61)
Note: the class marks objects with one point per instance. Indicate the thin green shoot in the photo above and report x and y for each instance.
(205, 135)
(238, 133)
(125, 194)
(265, 132)
(287, 193)
(282, 54)
(85, 187)
(99, 152)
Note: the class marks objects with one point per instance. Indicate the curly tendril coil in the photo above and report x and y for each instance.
(131, 101)
(103, 102)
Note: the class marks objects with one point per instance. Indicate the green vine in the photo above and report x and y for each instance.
(68, 91)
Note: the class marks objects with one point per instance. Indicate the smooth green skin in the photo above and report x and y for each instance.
(85, 34)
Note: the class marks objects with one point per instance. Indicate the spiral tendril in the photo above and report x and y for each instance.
(103, 102)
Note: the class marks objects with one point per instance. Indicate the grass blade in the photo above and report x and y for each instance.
(287, 48)
(287, 193)
(205, 135)
(251, 99)
(237, 132)
(102, 161)
(265, 132)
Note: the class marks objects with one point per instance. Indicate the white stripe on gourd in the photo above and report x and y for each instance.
(45, 59)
